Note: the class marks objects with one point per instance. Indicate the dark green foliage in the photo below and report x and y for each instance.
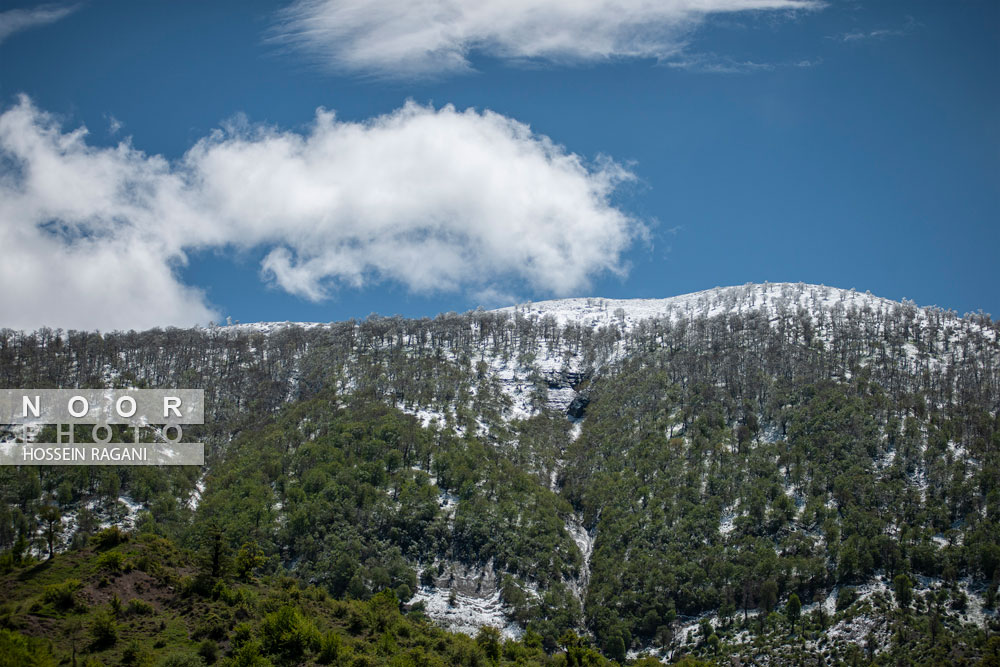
(103, 629)
(287, 635)
(62, 596)
(615, 648)
(904, 590)
(793, 610)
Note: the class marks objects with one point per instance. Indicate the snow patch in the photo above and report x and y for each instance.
(465, 613)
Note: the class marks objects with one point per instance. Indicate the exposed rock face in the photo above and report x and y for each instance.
(468, 580)
(578, 406)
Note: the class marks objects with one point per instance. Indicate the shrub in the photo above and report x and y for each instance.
(286, 633)
(213, 626)
(111, 561)
(108, 538)
(16, 649)
(62, 596)
(135, 655)
(250, 558)
(181, 660)
(329, 648)
(103, 630)
(200, 584)
(242, 634)
(209, 651)
(249, 655)
(137, 607)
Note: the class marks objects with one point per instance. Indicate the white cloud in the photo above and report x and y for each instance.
(16, 20)
(400, 39)
(435, 199)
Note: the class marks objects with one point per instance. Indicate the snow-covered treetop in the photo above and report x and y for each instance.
(771, 298)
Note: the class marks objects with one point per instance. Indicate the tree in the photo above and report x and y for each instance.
(214, 551)
(935, 626)
(488, 640)
(793, 609)
(249, 558)
(73, 630)
(51, 516)
(768, 599)
(904, 590)
(615, 649)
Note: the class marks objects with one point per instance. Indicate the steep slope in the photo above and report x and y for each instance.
(652, 473)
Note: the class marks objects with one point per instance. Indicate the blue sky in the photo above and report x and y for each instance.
(854, 144)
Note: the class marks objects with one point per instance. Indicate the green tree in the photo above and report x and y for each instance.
(793, 610)
(249, 558)
(768, 599)
(904, 590)
(488, 640)
(51, 517)
(615, 649)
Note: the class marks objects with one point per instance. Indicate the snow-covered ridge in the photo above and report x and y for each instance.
(770, 298)
(823, 305)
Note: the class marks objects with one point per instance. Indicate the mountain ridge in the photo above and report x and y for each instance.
(598, 311)
(727, 450)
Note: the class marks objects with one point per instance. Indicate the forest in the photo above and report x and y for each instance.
(777, 474)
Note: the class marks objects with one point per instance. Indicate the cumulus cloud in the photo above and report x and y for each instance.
(400, 39)
(434, 199)
(16, 20)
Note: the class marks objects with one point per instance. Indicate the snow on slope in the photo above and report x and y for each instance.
(821, 302)
(466, 610)
(767, 297)
(596, 312)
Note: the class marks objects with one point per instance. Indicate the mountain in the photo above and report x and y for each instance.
(765, 472)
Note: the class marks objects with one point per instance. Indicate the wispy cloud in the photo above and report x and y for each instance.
(432, 199)
(114, 125)
(388, 38)
(714, 64)
(880, 33)
(16, 20)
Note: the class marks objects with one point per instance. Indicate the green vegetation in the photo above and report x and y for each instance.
(275, 620)
(773, 490)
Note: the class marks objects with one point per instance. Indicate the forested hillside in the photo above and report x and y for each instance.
(771, 472)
